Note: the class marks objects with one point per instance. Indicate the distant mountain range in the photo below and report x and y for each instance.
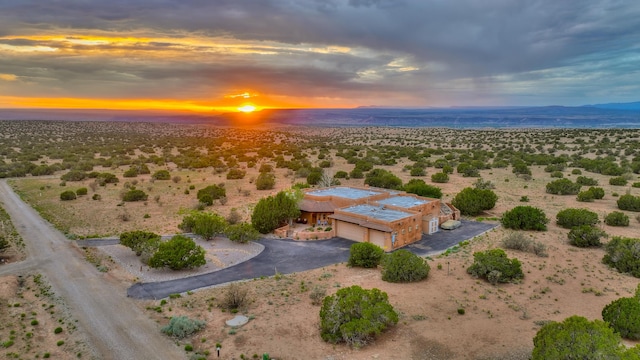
(613, 115)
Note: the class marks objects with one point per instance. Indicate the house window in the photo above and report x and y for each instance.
(409, 228)
(416, 227)
(402, 231)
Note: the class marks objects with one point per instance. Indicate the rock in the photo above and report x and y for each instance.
(237, 321)
(451, 224)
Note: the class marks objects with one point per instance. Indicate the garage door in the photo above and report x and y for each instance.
(377, 237)
(349, 231)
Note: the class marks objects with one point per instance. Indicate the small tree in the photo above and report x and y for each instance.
(586, 181)
(366, 255)
(494, 266)
(616, 218)
(4, 243)
(420, 188)
(82, 191)
(618, 181)
(161, 175)
(623, 315)
(525, 218)
(265, 181)
(404, 266)
(135, 195)
(67, 195)
(571, 217)
(440, 177)
(235, 173)
(383, 179)
(178, 253)
(585, 236)
(355, 316)
(242, 233)
(275, 211)
(472, 201)
(576, 338)
(140, 241)
(563, 187)
(585, 196)
(629, 202)
(211, 193)
(598, 192)
(206, 224)
(624, 255)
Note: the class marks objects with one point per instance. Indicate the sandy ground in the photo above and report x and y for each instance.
(499, 321)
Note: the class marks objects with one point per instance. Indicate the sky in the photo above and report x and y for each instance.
(220, 55)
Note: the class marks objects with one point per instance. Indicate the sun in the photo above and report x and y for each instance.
(247, 108)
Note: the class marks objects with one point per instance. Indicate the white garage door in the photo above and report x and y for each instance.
(376, 237)
(350, 231)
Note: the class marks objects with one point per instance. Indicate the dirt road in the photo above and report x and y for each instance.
(115, 327)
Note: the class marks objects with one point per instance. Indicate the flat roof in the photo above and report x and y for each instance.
(403, 201)
(344, 192)
(377, 212)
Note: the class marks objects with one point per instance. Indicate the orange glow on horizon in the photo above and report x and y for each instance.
(202, 106)
(247, 108)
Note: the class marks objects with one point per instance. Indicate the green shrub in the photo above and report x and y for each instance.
(181, 326)
(356, 316)
(472, 201)
(525, 218)
(576, 338)
(585, 236)
(420, 188)
(274, 211)
(576, 172)
(636, 185)
(68, 195)
(178, 253)
(235, 173)
(34, 322)
(494, 266)
(557, 174)
(585, 196)
(74, 175)
(404, 266)
(629, 202)
(265, 181)
(242, 233)
(616, 218)
(81, 191)
(366, 255)
(188, 348)
(58, 330)
(563, 187)
(383, 179)
(211, 193)
(572, 217)
(598, 192)
(135, 195)
(161, 175)
(623, 254)
(440, 177)
(618, 181)
(623, 315)
(586, 181)
(341, 175)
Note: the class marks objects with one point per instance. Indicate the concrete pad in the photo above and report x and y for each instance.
(237, 321)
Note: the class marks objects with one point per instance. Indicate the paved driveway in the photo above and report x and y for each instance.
(288, 256)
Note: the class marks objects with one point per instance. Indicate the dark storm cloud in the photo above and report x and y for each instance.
(442, 40)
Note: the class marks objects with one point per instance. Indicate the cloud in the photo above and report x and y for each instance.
(403, 50)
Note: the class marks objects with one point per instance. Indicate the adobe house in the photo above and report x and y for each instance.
(387, 218)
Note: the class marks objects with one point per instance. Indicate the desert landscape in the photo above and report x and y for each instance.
(498, 321)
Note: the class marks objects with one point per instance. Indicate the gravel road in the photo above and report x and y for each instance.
(113, 324)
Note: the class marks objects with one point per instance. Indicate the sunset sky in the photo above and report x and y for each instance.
(218, 55)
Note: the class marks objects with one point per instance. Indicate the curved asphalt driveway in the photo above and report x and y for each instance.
(288, 256)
